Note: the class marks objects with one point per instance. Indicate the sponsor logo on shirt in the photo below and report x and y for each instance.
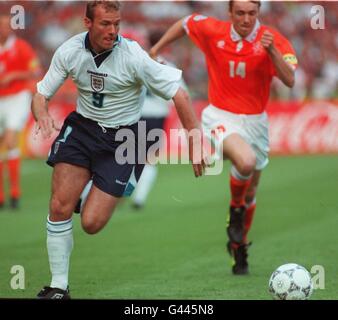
(221, 44)
(257, 49)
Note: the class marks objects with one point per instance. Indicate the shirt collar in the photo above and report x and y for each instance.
(250, 38)
(89, 47)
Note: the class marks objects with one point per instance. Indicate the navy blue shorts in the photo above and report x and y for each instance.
(82, 142)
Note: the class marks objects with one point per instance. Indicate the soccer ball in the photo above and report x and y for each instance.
(290, 282)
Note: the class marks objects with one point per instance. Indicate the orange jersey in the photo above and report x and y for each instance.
(16, 55)
(240, 70)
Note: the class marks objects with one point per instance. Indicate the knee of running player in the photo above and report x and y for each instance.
(246, 164)
(60, 210)
(11, 140)
(91, 225)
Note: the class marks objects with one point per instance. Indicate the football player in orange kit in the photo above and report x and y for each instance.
(18, 65)
(242, 57)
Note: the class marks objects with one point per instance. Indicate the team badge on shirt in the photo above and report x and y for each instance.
(97, 83)
(257, 48)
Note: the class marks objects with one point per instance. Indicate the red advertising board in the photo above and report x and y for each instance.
(295, 128)
(304, 128)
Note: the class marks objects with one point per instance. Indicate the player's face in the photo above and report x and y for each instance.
(5, 28)
(103, 29)
(244, 15)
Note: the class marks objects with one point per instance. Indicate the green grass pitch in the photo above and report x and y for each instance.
(175, 247)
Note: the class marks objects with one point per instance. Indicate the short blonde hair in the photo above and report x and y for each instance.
(108, 6)
(231, 3)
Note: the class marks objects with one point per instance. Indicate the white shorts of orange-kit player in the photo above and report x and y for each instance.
(14, 111)
(219, 124)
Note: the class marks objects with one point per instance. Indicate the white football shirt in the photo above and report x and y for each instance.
(110, 92)
(154, 106)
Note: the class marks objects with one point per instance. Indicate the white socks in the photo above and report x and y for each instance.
(234, 172)
(145, 183)
(13, 154)
(59, 247)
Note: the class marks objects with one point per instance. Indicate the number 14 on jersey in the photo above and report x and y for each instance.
(237, 69)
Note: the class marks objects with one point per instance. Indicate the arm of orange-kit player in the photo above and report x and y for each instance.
(17, 75)
(176, 31)
(284, 71)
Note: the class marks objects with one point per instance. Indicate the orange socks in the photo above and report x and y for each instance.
(14, 177)
(238, 190)
(13, 163)
(239, 186)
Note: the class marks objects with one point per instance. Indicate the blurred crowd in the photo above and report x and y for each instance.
(49, 23)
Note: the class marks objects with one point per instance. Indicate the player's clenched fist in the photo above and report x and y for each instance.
(267, 40)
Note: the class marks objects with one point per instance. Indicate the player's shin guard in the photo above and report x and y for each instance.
(59, 247)
(14, 172)
(238, 186)
(249, 214)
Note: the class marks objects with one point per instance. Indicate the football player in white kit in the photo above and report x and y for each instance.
(110, 73)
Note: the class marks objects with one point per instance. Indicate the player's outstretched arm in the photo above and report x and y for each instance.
(189, 121)
(176, 31)
(44, 121)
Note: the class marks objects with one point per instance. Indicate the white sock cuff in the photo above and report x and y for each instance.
(13, 154)
(234, 172)
(59, 228)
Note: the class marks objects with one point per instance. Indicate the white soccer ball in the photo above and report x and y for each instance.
(291, 282)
